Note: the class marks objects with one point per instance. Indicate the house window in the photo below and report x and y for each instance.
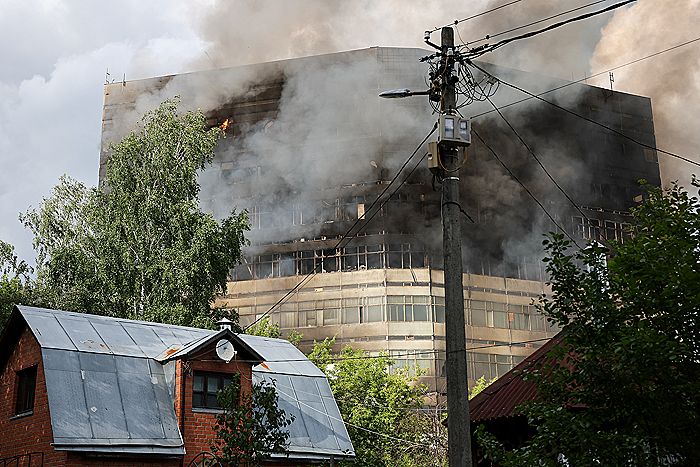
(205, 388)
(26, 384)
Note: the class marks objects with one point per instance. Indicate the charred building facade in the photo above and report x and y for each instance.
(309, 146)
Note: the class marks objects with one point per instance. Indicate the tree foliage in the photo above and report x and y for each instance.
(14, 281)
(623, 388)
(266, 328)
(139, 246)
(481, 384)
(372, 398)
(251, 427)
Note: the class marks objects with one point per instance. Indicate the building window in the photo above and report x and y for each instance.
(206, 386)
(439, 309)
(415, 362)
(489, 366)
(26, 385)
(487, 314)
(408, 308)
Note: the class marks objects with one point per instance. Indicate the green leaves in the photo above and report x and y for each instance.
(251, 426)
(623, 388)
(371, 397)
(15, 285)
(139, 247)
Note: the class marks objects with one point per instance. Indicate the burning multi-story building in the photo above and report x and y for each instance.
(309, 146)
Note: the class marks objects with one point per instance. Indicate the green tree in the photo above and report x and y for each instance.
(623, 388)
(14, 281)
(265, 328)
(371, 397)
(251, 427)
(481, 384)
(139, 247)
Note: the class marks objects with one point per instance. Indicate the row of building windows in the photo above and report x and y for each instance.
(418, 362)
(602, 230)
(413, 361)
(397, 308)
(485, 365)
(306, 213)
(350, 258)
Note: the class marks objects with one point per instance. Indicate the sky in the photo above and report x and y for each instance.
(56, 56)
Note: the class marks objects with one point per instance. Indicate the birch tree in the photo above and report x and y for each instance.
(139, 246)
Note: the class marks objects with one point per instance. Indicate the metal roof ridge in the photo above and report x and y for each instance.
(91, 316)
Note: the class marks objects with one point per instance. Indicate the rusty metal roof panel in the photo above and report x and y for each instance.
(503, 396)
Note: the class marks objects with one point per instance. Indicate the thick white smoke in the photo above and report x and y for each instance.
(672, 79)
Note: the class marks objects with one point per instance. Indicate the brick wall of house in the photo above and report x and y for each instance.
(32, 433)
(78, 460)
(29, 433)
(199, 429)
(20, 436)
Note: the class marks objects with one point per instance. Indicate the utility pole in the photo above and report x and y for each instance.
(444, 163)
(458, 429)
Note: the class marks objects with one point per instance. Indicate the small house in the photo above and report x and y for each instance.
(80, 389)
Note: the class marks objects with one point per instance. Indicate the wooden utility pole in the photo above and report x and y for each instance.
(458, 429)
(445, 164)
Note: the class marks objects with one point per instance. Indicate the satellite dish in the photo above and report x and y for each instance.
(225, 350)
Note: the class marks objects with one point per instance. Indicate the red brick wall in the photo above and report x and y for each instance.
(31, 433)
(77, 460)
(199, 429)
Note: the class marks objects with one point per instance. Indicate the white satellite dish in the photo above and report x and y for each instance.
(225, 350)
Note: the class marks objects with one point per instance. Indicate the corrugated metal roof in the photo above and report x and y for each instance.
(503, 396)
(108, 393)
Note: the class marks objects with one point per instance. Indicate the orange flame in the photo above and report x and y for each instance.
(224, 126)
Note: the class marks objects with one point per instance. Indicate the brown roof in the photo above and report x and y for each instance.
(502, 396)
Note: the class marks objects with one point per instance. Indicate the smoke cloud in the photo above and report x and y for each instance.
(672, 79)
(136, 40)
(320, 135)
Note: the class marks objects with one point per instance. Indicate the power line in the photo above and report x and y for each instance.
(371, 403)
(571, 83)
(491, 36)
(481, 50)
(457, 21)
(403, 354)
(539, 162)
(510, 172)
(313, 272)
(569, 111)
